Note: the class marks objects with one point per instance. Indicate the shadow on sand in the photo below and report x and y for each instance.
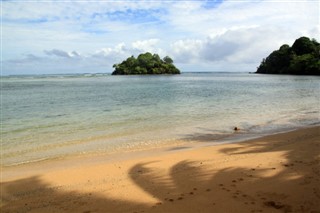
(192, 187)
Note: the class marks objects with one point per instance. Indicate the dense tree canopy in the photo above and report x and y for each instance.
(303, 58)
(145, 64)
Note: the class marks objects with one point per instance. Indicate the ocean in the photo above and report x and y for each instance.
(47, 117)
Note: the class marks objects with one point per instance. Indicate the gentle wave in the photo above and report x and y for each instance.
(52, 116)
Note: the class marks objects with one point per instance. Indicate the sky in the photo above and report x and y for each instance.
(89, 36)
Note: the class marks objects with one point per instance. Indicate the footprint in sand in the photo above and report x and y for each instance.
(167, 199)
(277, 205)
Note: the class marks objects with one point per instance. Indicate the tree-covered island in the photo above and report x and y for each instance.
(146, 64)
(302, 58)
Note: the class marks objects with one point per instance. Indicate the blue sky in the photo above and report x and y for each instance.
(42, 37)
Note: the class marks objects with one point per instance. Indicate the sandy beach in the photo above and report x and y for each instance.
(276, 173)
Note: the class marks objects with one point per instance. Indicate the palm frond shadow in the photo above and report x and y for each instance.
(190, 186)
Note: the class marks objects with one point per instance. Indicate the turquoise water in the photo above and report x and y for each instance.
(46, 117)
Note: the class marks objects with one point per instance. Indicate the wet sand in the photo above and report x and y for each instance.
(276, 173)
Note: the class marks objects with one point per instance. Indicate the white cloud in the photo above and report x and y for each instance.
(187, 51)
(229, 34)
(146, 45)
(118, 49)
(63, 54)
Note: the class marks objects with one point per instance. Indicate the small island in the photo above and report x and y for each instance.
(303, 58)
(146, 64)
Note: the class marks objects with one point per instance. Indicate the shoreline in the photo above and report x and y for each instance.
(274, 173)
(92, 158)
(193, 141)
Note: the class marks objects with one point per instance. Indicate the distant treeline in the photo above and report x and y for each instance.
(146, 64)
(303, 58)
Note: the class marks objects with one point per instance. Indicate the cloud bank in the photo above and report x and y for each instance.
(58, 37)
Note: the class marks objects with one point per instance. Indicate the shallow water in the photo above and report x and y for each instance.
(46, 117)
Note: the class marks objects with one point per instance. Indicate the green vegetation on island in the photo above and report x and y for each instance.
(303, 58)
(146, 64)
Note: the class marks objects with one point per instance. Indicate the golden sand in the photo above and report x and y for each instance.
(276, 173)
